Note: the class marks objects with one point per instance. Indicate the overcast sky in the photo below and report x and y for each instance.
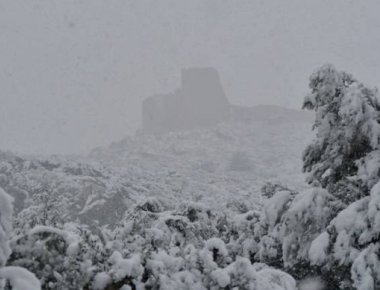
(73, 73)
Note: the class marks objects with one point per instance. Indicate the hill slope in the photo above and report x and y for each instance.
(219, 165)
(223, 168)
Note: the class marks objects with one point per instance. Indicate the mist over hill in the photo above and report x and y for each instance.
(224, 163)
(207, 165)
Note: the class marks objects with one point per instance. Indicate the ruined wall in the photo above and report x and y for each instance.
(200, 102)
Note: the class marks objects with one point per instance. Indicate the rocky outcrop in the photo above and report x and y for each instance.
(200, 102)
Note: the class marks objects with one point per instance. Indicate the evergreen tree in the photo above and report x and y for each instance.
(347, 125)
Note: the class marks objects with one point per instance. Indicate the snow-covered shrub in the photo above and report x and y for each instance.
(19, 278)
(126, 271)
(153, 247)
(185, 248)
(351, 241)
(267, 229)
(6, 211)
(348, 130)
(64, 258)
(287, 226)
(307, 215)
(269, 189)
(243, 275)
(191, 268)
(45, 209)
(55, 190)
(16, 277)
(145, 230)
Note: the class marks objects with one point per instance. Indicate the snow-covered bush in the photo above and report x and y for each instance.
(351, 241)
(62, 258)
(309, 212)
(6, 211)
(184, 248)
(190, 268)
(287, 226)
(16, 277)
(153, 247)
(243, 275)
(268, 229)
(269, 189)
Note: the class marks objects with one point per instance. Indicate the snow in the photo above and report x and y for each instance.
(101, 281)
(301, 223)
(125, 267)
(195, 165)
(6, 211)
(374, 209)
(70, 237)
(351, 218)
(217, 244)
(20, 278)
(318, 249)
(278, 279)
(365, 269)
(222, 278)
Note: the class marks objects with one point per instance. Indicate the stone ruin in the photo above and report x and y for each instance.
(200, 102)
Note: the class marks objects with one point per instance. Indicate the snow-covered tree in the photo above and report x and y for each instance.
(331, 231)
(345, 159)
(348, 130)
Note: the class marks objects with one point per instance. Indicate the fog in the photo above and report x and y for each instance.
(194, 144)
(73, 74)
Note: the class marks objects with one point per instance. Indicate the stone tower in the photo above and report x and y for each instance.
(200, 102)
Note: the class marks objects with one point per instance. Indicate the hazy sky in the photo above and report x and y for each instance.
(73, 72)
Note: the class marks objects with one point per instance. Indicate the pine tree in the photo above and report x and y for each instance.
(347, 133)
